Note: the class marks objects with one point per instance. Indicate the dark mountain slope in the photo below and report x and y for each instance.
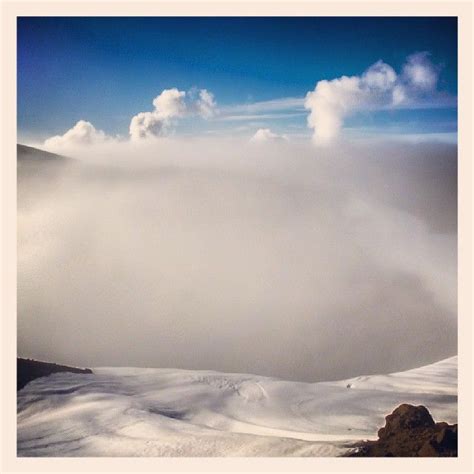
(29, 369)
(28, 153)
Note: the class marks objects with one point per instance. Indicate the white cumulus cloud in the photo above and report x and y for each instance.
(379, 76)
(170, 103)
(206, 104)
(263, 135)
(379, 86)
(329, 103)
(420, 72)
(169, 106)
(83, 133)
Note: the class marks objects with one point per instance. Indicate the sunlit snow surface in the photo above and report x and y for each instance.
(170, 412)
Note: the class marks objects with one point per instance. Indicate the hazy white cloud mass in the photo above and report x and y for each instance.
(282, 259)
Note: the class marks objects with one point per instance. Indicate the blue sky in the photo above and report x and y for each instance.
(106, 70)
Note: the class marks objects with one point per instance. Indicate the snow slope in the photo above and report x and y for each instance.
(170, 412)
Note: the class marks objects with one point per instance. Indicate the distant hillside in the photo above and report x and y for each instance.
(29, 369)
(28, 153)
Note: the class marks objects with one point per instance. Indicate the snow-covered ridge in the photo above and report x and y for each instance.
(170, 412)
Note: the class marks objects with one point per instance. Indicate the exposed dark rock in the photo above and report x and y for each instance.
(410, 431)
(29, 369)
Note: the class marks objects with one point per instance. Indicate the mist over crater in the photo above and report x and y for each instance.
(276, 259)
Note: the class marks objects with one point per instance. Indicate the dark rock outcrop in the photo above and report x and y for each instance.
(410, 431)
(29, 369)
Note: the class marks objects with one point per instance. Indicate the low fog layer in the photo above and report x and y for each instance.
(274, 259)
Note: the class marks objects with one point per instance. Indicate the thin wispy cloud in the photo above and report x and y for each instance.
(284, 103)
(276, 116)
(294, 107)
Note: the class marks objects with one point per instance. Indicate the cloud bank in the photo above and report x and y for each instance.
(289, 261)
(378, 87)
